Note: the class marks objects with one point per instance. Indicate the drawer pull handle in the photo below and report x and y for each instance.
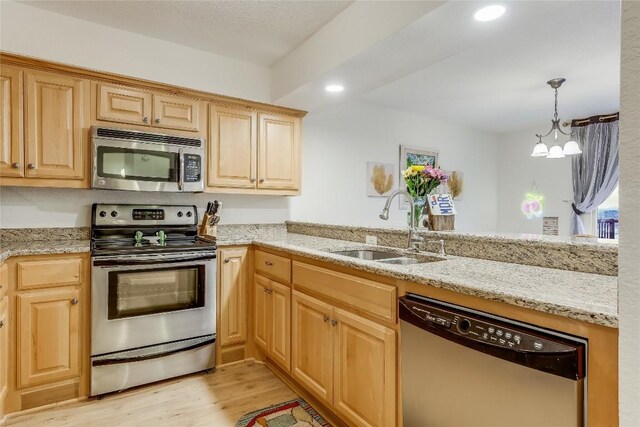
(226, 260)
(334, 322)
(268, 263)
(325, 318)
(74, 301)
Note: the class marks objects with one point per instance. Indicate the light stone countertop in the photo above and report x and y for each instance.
(583, 296)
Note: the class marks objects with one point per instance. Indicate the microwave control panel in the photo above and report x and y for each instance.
(192, 168)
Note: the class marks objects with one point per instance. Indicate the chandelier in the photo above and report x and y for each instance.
(555, 152)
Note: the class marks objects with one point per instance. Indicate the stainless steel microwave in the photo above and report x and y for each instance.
(141, 161)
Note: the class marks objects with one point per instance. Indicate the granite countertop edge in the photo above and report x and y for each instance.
(592, 315)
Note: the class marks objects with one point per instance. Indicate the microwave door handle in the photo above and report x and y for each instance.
(181, 170)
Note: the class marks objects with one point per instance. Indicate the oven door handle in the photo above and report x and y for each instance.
(116, 262)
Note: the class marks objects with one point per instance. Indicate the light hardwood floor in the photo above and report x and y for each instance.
(218, 400)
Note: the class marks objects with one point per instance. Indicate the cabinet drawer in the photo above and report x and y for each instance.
(4, 280)
(274, 266)
(51, 272)
(365, 295)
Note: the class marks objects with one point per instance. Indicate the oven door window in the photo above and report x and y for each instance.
(137, 165)
(142, 292)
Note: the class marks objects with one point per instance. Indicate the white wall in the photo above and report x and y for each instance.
(629, 282)
(338, 142)
(49, 207)
(517, 171)
(34, 32)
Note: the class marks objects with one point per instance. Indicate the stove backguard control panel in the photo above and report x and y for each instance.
(144, 215)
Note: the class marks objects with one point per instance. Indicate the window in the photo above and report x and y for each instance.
(608, 217)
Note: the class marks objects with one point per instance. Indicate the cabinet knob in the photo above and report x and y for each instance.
(261, 180)
(325, 318)
(268, 263)
(145, 119)
(74, 301)
(16, 165)
(226, 260)
(334, 322)
(157, 121)
(31, 166)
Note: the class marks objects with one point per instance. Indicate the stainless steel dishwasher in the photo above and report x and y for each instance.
(461, 367)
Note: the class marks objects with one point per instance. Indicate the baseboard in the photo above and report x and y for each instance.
(320, 407)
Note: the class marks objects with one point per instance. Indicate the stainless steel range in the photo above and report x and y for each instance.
(153, 296)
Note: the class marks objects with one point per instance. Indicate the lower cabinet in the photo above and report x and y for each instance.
(48, 336)
(272, 320)
(345, 360)
(4, 352)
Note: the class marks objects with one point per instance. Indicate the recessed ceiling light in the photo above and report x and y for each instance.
(334, 88)
(489, 13)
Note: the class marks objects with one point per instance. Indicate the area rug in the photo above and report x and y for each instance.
(295, 412)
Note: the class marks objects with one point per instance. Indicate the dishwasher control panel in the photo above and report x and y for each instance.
(473, 326)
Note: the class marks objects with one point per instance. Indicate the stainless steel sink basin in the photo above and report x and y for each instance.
(388, 257)
(368, 254)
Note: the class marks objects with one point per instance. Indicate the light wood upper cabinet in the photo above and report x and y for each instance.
(48, 334)
(232, 147)
(232, 296)
(56, 115)
(364, 371)
(279, 152)
(261, 314)
(312, 345)
(280, 325)
(11, 122)
(176, 112)
(123, 105)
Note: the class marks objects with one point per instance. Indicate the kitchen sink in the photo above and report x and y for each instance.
(388, 257)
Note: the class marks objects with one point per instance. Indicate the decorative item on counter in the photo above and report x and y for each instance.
(415, 157)
(380, 179)
(442, 212)
(208, 230)
(421, 181)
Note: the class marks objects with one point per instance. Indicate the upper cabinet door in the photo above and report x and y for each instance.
(279, 152)
(232, 328)
(56, 116)
(232, 148)
(176, 112)
(11, 124)
(123, 105)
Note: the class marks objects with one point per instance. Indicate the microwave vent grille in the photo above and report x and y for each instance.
(148, 137)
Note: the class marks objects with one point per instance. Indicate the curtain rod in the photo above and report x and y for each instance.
(590, 119)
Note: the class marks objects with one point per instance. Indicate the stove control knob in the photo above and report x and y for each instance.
(179, 214)
(103, 214)
(114, 214)
(189, 214)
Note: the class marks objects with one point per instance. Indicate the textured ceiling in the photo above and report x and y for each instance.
(254, 31)
(499, 83)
